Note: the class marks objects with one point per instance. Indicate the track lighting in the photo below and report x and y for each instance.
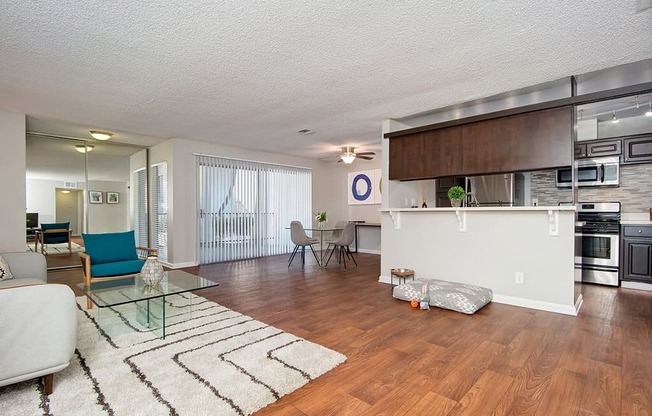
(614, 119)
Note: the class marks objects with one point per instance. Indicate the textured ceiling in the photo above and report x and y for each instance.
(251, 74)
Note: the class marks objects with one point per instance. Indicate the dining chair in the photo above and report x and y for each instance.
(301, 240)
(342, 245)
(339, 226)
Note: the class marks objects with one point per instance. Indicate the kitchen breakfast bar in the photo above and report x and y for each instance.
(524, 254)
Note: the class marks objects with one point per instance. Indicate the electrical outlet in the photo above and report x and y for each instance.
(518, 278)
(535, 202)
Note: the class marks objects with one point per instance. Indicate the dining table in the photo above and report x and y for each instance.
(321, 232)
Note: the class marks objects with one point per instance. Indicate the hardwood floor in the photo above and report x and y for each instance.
(503, 360)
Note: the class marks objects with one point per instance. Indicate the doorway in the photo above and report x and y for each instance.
(69, 207)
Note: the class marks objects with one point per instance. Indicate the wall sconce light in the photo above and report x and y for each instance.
(101, 135)
(84, 148)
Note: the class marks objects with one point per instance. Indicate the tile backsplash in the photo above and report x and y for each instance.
(634, 192)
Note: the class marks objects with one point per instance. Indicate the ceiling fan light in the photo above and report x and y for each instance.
(84, 148)
(101, 135)
(347, 158)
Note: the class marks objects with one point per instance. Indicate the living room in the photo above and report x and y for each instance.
(148, 76)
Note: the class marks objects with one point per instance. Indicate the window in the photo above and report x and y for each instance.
(160, 209)
(245, 207)
(140, 207)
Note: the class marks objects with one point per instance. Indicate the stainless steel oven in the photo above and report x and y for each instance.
(598, 241)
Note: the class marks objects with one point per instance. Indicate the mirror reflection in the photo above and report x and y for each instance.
(78, 186)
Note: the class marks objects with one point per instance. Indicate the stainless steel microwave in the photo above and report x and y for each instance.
(604, 171)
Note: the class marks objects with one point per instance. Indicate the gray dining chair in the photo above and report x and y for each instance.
(339, 226)
(342, 245)
(301, 241)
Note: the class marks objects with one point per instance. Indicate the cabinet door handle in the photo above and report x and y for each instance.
(640, 231)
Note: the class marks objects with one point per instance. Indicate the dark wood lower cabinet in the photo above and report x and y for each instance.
(636, 261)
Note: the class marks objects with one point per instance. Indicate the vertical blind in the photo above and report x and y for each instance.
(159, 207)
(140, 207)
(246, 207)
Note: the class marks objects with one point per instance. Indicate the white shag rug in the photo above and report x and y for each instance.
(219, 362)
(60, 248)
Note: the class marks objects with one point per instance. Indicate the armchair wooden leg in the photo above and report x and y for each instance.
(89, 304)
(48, 382)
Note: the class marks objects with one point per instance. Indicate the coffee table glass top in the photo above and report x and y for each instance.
(132, 289)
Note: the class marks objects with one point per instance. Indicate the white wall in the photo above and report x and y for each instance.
(327, 194)
(107, 218)
(41, 198)
(12, 172)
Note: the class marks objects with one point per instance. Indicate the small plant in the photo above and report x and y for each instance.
(456, 193)
(320, 216)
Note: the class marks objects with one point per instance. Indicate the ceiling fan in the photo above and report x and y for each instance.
(348, 155)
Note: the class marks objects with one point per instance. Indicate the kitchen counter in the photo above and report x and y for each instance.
(470, 209)
(524, 254)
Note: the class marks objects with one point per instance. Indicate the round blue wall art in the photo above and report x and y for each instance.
(354, 187)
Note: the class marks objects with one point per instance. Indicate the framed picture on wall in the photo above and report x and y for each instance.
(112, 197)
(95, 197)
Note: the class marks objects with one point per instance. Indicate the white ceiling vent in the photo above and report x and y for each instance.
(69, 184)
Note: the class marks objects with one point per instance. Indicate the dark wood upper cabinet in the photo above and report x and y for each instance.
(426, 155)
(598, 148)
(637, 149)
(530, 141)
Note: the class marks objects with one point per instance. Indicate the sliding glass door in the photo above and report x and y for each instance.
(246, 207)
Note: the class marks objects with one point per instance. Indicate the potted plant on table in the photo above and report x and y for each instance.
(456, 194)
(321, 218)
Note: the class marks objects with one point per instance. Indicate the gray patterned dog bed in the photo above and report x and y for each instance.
(460, 297)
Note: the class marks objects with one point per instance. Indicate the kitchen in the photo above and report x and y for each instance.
(539, 193)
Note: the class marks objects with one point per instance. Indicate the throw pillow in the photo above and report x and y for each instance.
(5, 273)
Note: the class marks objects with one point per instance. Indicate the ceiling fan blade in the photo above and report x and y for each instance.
(366, 154)
(364, 157)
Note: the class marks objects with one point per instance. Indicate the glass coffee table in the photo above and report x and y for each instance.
(149, 301)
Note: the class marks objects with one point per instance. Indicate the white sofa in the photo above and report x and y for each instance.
(38, 322)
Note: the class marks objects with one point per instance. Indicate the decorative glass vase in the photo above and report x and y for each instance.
(152, 271)
(321, 225)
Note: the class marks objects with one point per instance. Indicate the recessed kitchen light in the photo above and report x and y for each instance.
(306, 131)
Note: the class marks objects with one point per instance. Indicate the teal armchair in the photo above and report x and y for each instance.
(53, 233)
(110, 256)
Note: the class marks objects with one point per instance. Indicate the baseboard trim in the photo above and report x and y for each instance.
(367, 251)
(179, 265)
(524, 303)
(536, 304)
(636, 285)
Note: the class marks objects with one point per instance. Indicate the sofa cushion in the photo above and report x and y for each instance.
(27, 281)
(460, 297)
(110, 247)
(117, 268)
(5, 271)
